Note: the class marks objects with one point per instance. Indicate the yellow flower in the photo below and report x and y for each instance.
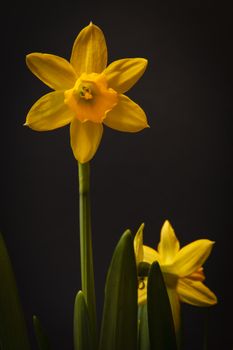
(182, 269)
(87, 93)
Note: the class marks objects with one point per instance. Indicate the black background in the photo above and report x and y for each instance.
(180, 169)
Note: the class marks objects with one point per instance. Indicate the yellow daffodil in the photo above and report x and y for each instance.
(87, 93)
(182, 269)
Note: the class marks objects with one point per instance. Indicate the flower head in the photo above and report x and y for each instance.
(182, 269)
(87, 93)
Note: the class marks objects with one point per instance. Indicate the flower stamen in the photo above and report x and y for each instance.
(85, 93)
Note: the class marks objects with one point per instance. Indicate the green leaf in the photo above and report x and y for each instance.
(13, 330)
(119, 322)
(82, 332)
(161, 326)
(144, 341)
(41, 338)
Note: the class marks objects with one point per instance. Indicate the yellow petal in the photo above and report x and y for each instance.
(138, 244)
(150, 255)
(49, 112)
(195, 293)
(191, 257)
(53, 70)
(175, 306)
(85, 139)
(169, 244)
(123, 74)
(126, 116)
(89, 53)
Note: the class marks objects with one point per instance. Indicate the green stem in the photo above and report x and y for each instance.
(87, 271)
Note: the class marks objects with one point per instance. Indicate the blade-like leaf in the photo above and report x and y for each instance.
(119, 323)
(161, 326)
(144, 341)
(41, 338)
(82, 332)
(13, 330)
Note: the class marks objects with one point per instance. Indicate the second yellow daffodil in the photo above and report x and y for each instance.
(182, 269)
(87, 93)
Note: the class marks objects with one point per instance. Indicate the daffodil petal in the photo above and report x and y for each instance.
(126, 116)
(195, 293)
(49, 112)
(89, 53)
(138, 244)
(175, 306)
(150, 255)
(123, 74)
(85, 139)
(169, 244)
(54, 71)
(191, 257)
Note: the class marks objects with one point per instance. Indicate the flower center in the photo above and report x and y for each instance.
(91, 98)
(85, 93)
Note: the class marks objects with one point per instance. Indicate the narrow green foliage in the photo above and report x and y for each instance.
(41, 338)
(161, 326)
(119, 323)
(143, 339)
(13, 332)
(82, 332)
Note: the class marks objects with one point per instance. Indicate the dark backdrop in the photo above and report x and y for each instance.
(180, 169)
